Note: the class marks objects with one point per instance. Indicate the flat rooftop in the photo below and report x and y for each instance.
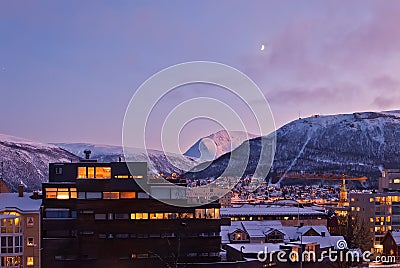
(261, 210)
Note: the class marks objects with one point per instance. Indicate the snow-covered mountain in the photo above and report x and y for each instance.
(358, 144)
(157, 160)
(28, 162)
(217, 144)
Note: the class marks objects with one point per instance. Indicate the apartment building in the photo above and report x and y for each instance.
(380, 211)
(96, 215)
(19, 230)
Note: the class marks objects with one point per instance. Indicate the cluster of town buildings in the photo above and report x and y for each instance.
(92, 214)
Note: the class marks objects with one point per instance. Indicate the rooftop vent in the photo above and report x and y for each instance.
(87, 154)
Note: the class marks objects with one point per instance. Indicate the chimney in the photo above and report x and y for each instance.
(20, 190)
(35, 195)
(87, 154)
(323, 234)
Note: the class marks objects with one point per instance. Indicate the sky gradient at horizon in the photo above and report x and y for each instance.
(69, 68)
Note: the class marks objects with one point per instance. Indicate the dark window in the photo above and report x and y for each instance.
(57, 214)
(59, 170)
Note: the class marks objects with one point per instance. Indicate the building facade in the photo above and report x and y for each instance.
(379, 211)
(390, 180)
(96, 215)
(19, 230)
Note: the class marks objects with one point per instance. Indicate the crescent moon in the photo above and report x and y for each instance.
(262, 47)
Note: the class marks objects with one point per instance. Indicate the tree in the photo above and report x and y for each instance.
(355, 231)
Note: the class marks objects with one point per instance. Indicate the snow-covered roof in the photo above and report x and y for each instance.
(318, 228)
(396, 237)
(25, 203)
(259, 229)
(261, 210)
(324, 242)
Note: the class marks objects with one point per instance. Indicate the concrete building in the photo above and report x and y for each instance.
(390, 180)
(19, 230)
(96, 215)
(380, 212)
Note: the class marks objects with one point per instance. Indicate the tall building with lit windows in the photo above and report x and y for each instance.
(390, 180)
(96, 215)
(19, 229)
(379, 211)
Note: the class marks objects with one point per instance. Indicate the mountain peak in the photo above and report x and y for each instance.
(217, 144)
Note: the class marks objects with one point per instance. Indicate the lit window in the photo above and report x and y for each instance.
(137, 177)
(51, 193)
(90, 173)
(81, 172)
(30, 242)
(171, 216)
(217, 214)
(139, 216)
(62, 193)
(156, 216)
(200, 213)
(121, 176)
(186, 215)
(103, 172)
(73, 193)
(210, 213)
(127, 195)
(29, 261)
(110, 195)
(396, 180)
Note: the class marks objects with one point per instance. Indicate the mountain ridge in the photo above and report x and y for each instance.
(357, 144)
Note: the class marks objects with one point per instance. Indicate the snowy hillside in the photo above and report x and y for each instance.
(217, 144)
(358, 144)
(28, 162)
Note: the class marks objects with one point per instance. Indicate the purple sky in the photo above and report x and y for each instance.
(69, 68)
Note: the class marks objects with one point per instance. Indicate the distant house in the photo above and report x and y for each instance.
(391, 244)
(239, 236)
(274, 236)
